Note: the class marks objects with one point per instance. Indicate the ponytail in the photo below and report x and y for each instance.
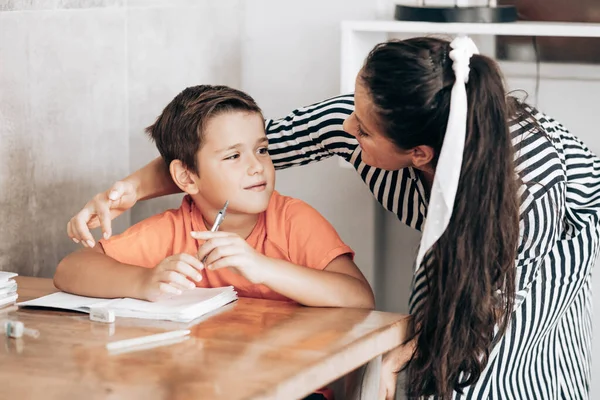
(471, 269)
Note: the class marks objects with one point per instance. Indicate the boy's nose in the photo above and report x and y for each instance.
(255, 166)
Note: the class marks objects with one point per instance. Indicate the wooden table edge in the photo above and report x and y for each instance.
(365, 349)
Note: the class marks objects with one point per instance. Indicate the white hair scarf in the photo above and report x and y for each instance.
(447, 173)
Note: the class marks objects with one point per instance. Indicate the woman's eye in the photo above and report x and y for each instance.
(360, 131)
(232, 157)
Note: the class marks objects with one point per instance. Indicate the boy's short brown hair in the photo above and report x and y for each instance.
(179, 129)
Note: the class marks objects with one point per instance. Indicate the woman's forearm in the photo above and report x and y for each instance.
(153, 180)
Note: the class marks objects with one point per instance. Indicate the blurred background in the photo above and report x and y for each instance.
(80, 79)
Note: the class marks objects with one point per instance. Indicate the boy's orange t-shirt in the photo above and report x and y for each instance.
(288, 230)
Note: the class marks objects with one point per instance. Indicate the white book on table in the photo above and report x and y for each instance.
(188, 306)
(8, 288)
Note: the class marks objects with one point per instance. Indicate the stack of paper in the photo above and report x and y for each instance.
(8, 288)
(191, 304)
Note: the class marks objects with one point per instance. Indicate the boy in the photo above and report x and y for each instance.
(269, 246)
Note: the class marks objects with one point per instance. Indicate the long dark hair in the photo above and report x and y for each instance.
(470, 270)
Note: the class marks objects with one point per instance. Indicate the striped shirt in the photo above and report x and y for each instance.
(546, 351)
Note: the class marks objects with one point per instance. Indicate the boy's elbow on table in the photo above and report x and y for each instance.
(64, 277)
(364, 300)
(61, 275)
(369, 302)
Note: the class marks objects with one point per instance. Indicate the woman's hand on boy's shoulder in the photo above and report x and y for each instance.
(171, 277)
(99, 211)
(229, 250)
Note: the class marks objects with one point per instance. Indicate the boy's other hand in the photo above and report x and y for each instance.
(99, 211)
(229, 250)
(171, 277)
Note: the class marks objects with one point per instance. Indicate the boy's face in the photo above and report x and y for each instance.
(234, 163)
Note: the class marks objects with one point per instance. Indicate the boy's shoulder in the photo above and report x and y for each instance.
(173, 214)
(290, 208)
(158, 222)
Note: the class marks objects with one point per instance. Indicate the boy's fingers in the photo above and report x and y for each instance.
(167, 288)
(191, 260)
(219, 253)
(225, 262)
(181, 287)
(206, 235)
(212, 244)
(174, 277)
(184, 268)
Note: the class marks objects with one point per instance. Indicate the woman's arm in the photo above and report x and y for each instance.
(312, 133)
(153, 180)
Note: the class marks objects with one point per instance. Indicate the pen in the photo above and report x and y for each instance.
(218, 221)
(220, 218)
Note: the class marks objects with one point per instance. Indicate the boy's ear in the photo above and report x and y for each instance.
(183, 177)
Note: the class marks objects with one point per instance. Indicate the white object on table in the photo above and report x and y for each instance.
(99, 314)
(16, 329)
(188, 306)
(122, 344)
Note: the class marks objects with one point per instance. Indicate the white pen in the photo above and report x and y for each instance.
(220, 218)
(121, 344)
(218, 221)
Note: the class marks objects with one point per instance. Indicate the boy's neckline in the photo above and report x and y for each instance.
(199, 224)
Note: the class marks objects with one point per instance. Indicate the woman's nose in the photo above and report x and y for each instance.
(348, 125)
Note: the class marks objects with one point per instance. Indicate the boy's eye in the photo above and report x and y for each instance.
(263, 150)
(232, 157)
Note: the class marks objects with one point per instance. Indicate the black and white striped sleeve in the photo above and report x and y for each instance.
(312, 133)
(542, 193)
(583, 182)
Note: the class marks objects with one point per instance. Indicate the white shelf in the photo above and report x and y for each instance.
(519, 28)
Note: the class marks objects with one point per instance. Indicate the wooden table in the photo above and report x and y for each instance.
(253, 349)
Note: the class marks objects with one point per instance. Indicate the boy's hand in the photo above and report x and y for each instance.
(223, 249)
(169, 278)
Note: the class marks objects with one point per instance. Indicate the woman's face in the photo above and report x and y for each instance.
(377, 149)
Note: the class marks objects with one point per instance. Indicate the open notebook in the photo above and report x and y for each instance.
(191, 304)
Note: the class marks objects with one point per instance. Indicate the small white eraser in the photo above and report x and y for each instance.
(14, 329)
(102, 315)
